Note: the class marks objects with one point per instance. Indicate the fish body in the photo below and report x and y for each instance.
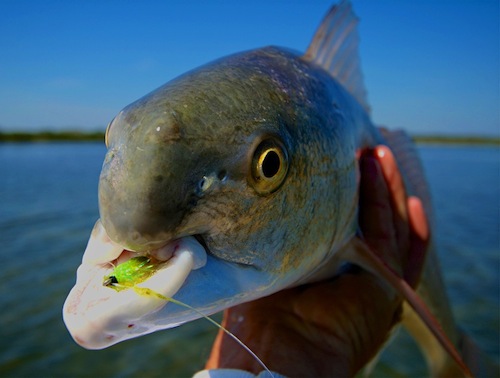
(244, 175)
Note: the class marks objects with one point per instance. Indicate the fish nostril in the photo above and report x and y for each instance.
(222, 175)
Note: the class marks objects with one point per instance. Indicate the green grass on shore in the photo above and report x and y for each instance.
(98, 136)
(456, 139)
(51, 136)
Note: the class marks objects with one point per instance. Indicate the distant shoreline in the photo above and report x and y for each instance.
(52, 136)
(457, 139)
(97, 136)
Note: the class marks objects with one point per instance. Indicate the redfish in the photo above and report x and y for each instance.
(240, 179)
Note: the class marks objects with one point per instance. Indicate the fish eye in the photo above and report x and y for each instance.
(269, 166)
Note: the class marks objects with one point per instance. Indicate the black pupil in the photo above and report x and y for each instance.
(271, 164)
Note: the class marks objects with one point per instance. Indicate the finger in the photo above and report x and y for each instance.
(419, 240)
(215, 359)
(417, 218)
(393, 179)
(375, 210)
(376, 216)
(397, 191)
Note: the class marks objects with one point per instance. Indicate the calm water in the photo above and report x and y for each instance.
(48, 207)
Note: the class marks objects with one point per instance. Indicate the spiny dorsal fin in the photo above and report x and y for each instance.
(335, 48)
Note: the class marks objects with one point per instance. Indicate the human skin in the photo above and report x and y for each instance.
(336, 326)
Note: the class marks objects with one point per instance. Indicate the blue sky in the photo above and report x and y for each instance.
(429, 66)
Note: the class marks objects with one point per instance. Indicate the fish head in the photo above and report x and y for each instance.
(238, 175)
(192, 162)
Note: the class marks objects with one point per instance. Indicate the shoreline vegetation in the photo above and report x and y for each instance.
(98, 136)
(52, 136)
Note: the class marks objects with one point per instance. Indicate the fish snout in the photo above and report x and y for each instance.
(139, 207)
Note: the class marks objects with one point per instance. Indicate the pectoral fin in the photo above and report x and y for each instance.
(362, 255)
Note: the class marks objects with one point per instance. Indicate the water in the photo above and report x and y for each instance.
(49, 205)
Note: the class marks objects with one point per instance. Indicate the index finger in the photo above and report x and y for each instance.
(393, 179)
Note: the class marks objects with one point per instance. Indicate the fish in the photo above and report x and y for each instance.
(239, 179)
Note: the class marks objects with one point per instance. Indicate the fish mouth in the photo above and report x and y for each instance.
(97, 315)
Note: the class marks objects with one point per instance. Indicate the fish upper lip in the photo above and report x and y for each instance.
(162, 254)
(103, 253)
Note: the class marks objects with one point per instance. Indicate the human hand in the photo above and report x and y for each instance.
(393, 225)
(335, 327)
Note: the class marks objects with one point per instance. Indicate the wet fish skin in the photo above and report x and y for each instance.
(207, 123)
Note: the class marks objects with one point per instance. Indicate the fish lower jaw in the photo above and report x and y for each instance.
(98, 316)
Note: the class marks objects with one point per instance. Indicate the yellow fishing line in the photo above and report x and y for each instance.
(150, 292)
(136, 270)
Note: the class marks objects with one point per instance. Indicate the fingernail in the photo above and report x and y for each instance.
(382, 152)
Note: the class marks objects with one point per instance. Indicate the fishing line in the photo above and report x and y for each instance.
(150, 292)
(138, 269)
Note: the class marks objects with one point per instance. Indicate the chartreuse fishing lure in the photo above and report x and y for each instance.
(130, 273)
(136, 270)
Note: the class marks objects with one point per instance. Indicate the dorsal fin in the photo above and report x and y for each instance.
(335, 48)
